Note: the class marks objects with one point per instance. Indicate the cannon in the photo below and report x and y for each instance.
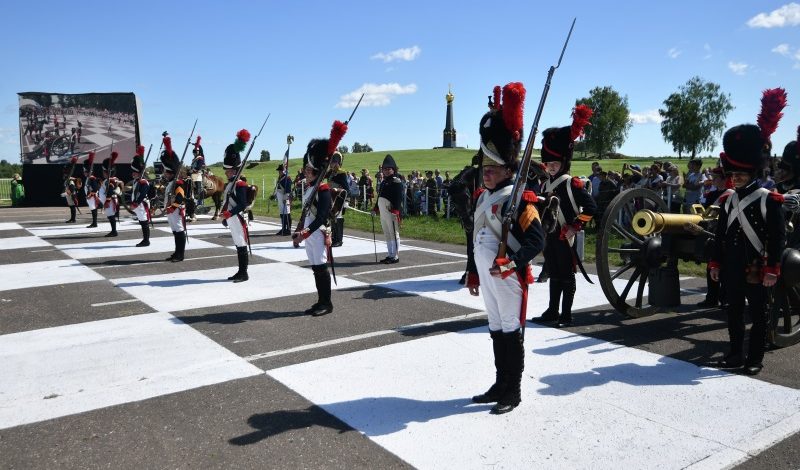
(638, 248)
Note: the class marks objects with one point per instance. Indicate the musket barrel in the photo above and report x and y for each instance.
(646, 222)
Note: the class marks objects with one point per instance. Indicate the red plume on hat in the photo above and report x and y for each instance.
(338, 131)
(114, 156)
(243, 135)
(580, 119)
(167, 141)
(772, 103)
(197, 142)
(90, 159)
(496, 92)
(140, 150)
(73, 160)
(513, 104)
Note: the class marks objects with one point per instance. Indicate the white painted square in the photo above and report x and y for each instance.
(586, 404)
(210, 287)
(77, 229)
(45, 273)
(285, 252)
(197, 230)
(445, 287)
(10, 226)
(21, 242)
(71, 369)
(120, 248)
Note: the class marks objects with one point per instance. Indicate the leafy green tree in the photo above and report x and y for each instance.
(357, 148)
(343, 149)
(265, 156)
(695, 116)
(610, 122)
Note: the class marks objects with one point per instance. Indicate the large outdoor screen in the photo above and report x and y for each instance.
(55, 126)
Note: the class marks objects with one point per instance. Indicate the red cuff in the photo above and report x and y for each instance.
(226, 215)
(473, 280)
(776, 270)
(305, 233)
(713, 265)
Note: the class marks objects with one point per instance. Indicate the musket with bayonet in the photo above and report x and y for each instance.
(525, 165)
(285, 163)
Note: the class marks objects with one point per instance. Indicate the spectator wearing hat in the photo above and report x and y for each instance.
(17, 190)
(431, 193)
(390, 199)
(693, 185)
(750, 234)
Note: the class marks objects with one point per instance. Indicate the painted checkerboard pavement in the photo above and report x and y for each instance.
(102, 339)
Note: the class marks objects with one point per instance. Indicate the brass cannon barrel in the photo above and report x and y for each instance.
(646, 222)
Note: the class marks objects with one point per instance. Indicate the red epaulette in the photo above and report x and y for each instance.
(143, 181)
(477, 193)
(529, 196)
(241, 184)
(724, 197)
(776, 197)
(323, 187)
(577, 183)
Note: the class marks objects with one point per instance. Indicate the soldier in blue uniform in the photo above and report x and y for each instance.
(109, 193)
(71, 189)
(197, 168)
(90, 188)
(175, 200)
(236, 202)
(283, 196)
(338, 182)
(575, 208)
(503, 279)
(750, 234)
(140, 204)
(390, 199)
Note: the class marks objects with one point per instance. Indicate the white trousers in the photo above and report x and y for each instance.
(92, 202)
(110, 207)
(283, 202)
(236, 225)
(141, 212)
(502, 297)
(389, 226)
(175, 220)
(316, 250)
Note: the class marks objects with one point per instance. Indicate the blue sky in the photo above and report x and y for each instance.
(229, 63)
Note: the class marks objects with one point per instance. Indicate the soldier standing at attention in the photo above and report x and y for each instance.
(503, 280)
(139, 202)
(90, 188)
(576, 207)
(175, 200)
(197, 167)
(236, 202)
(71, 189)
(750, 233)
(390, 199)
(283, 196)
(108, 194)
(340, 187)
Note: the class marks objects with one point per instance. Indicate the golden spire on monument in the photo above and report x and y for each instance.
(450, 96)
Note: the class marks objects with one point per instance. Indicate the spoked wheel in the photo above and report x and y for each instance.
(620, 250)
(784, 324)
(60, 146)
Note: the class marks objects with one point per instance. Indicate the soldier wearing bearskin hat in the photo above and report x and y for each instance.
(109, 193)
(750, 234)
(315, 234)
(283, 195)
(139, 201)
(198, 167)
(340, 188)
(236, 202)
(788, 178)
(71, 189)
(91, 188)
(390, 199)
(504, 281)
(575, 208)
(175, 200)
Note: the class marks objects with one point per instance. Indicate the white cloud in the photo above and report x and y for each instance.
(407, 54)
(375, 94)
(739, 68)
(787, 15)
(707, 48)
(674, 53)
(782, 49)
(650, 116)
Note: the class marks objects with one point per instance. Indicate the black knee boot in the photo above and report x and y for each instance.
(113, 221)
(322, 278)
(500, 384)
(338, 232)
(551, 314)
(568, 289)
(515, 363)
(180, 246)
(283, 225)
(94, 219)
(72, 212)
(145, 234)
(244, 260)
(175, 236)
(288, 224)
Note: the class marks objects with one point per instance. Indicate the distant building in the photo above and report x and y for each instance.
(449, 133)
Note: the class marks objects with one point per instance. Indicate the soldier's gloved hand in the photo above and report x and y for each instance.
(224, 222)
(769, 280)
(399, 219)
(502, 268)
(567, 232)
(473, 282)
(713, 273)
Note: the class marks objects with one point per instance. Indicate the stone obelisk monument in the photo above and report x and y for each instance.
(449, 133)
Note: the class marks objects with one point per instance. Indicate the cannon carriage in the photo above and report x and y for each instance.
(638, 248)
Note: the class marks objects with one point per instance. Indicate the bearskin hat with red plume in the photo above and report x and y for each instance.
(747, 146)
(198, 149)
(233, 158)
(501, 127)
(69, 165)
(137, 163)
(168, 157)
(558, 143)
(87, 164)
(110, 162)
(319, 151)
